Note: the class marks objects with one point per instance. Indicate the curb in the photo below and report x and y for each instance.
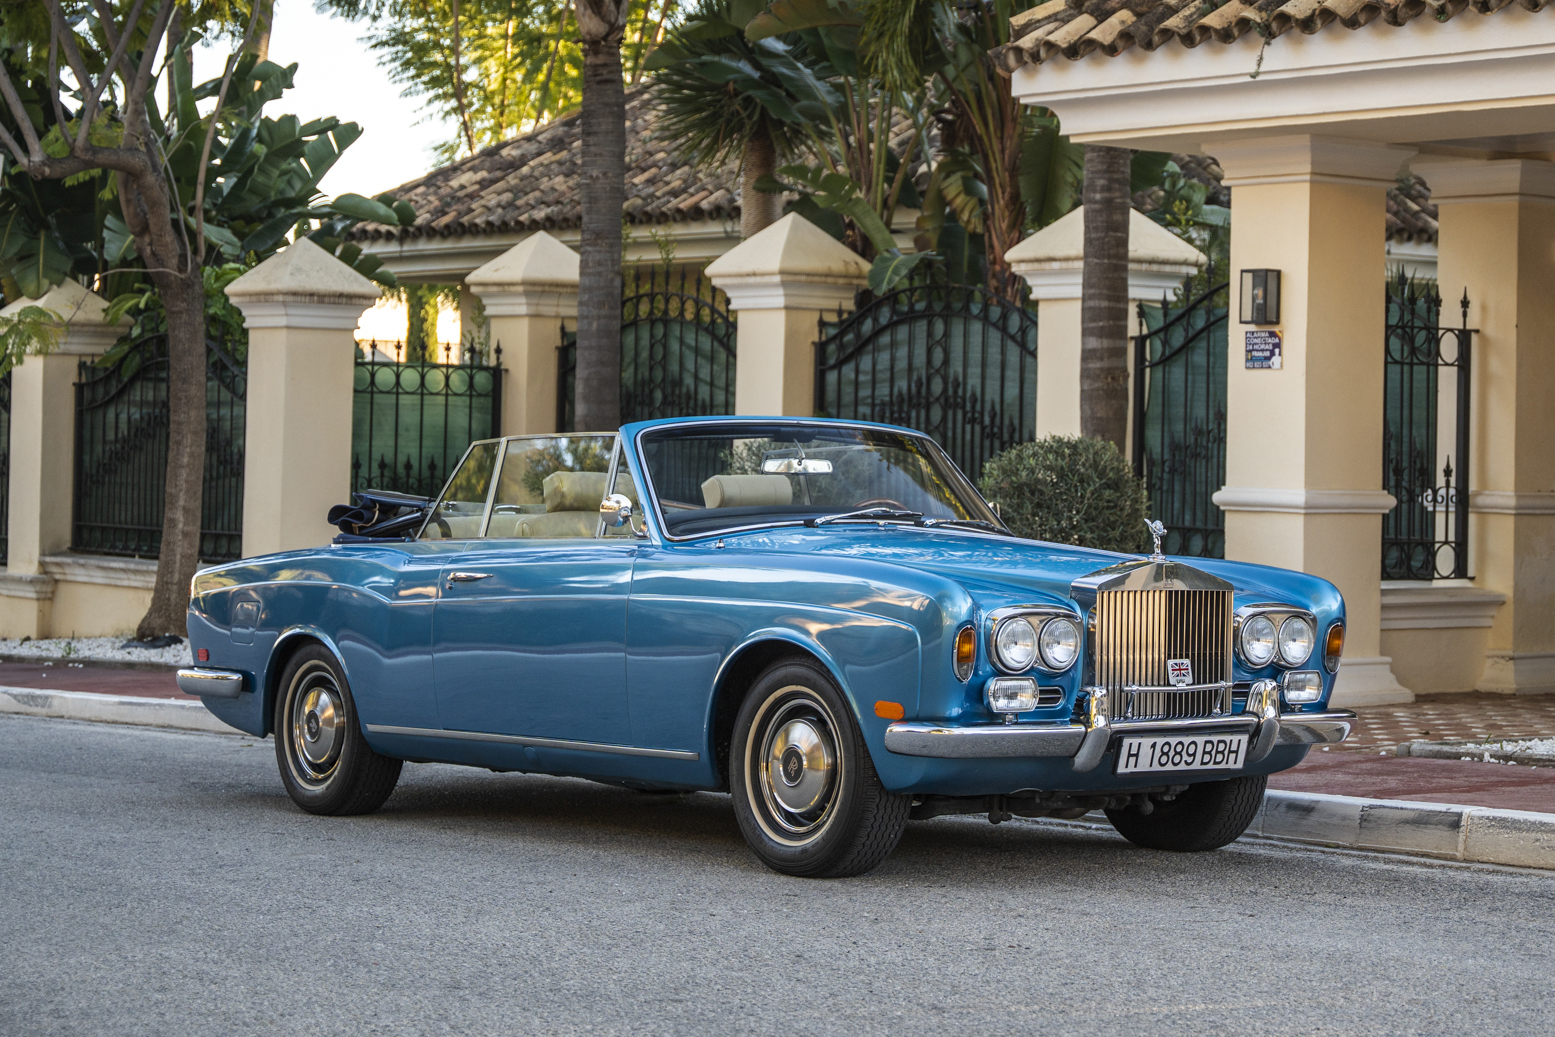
(111, 709)
(1457, 751)
(1482, 835)
(90, 662)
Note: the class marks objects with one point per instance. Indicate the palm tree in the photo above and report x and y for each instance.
(1104, 295)
(722, 96)
(601, 25)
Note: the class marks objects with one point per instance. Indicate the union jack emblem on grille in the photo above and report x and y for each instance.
(1179, 672)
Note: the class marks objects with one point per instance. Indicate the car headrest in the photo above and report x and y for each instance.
(574, 491)
(747, 491)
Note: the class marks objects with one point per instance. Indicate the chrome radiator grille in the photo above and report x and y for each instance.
(1139, 631)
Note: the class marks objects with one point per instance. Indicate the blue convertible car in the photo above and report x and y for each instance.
(823, 618)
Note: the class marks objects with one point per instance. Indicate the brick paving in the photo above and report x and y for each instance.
(62, 676)
(1466, 783)
(1449, 717)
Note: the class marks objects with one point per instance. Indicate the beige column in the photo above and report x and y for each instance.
(780, 282)
(1051, 261)
(530, 293)
(301, 307)
(1498, 240)
(43, 411)
(1304, 441)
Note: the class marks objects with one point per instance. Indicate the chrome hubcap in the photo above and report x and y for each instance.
(796, 764)
(318, 725)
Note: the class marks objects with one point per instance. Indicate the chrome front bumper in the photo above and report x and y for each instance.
(220, 684)
(1085, 744)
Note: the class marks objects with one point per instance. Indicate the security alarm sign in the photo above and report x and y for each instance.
(1263, 349)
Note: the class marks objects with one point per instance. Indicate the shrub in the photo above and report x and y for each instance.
(1070, 490)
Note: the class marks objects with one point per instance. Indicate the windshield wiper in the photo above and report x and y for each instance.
(975, 523)
(867, 513)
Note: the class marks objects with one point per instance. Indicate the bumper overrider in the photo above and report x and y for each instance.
(1085, 744)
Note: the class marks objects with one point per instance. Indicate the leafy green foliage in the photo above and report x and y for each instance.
(223, 320)
(1069, 490)
(30, 330)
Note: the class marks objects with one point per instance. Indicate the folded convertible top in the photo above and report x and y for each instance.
(378, 515)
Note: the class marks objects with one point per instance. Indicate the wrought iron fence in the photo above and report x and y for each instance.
(677, 350)
(1179, 419)
(411, 422)
(952, 360)
(1426, 535)
(121, 452)
(5, 469)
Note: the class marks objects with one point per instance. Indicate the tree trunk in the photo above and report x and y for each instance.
(1104, 296)
(260, 42)
(758, 209)
(184, 492)
(598, 385)
(420, 323)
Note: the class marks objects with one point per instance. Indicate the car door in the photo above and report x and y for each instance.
(529, 631)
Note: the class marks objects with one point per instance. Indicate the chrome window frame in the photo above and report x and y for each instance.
(999, 615)
(1272, 610)
(663, 527)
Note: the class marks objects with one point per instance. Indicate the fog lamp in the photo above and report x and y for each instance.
(1301, 686)
(1011, 694)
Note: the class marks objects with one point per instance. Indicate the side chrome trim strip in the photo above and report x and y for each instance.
(217, 684)
(536, 743)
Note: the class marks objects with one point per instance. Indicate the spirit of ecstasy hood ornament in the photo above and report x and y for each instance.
(1157, 531)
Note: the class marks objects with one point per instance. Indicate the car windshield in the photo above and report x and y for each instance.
(711, 477)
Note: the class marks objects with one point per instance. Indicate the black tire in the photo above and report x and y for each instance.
(833, 819)
(1205, 817)
(326, 764)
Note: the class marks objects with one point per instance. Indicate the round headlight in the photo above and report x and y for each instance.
(1258, 639)
(1296, 641)
(1059, 643)
(1015, 642)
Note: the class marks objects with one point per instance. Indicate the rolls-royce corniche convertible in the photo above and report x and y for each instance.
(822, 618)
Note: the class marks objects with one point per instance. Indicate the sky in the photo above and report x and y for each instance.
(337, 75)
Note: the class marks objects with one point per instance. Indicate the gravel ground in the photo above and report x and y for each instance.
(1530, 746)
(104, 648)
(161, 882)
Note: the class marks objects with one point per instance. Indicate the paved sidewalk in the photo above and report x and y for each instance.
(1467, 783)
(1448, 717)
(102, 680)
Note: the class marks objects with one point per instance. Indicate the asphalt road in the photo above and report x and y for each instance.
(162, 883)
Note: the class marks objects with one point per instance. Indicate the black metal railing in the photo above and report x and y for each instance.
(677, 350)
(121, 452)
(954, 361)
(411, 422)
(1179, 420)
(1426, 535)
(5, 469)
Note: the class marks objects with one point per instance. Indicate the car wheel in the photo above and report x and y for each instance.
(805, 789)
(326, 764)
(1205, 817)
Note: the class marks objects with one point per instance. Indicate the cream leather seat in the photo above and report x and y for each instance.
(747, 491)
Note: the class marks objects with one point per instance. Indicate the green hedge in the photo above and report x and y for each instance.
(1070, 490)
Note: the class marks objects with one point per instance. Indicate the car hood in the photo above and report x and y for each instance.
(1006, 567)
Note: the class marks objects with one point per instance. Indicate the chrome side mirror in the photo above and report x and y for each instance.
(616, 510)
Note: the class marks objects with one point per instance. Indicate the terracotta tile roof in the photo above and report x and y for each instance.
(530, 183)
(1411, 213)
(1075, 28)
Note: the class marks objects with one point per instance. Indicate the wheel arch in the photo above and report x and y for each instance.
(740, 670)
(292, 640)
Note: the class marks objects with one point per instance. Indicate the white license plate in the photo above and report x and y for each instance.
(1222, 752)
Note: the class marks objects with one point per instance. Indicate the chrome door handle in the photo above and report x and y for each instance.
(463, 577)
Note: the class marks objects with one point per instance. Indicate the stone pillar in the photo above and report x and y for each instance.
(530, 293)
(43, 441)
(1498, 240)
(1051, 261)
(780, 282)
(1304, 441)
(301, 307)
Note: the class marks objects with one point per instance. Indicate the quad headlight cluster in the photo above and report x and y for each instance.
(1048, 642)
(1284, 636)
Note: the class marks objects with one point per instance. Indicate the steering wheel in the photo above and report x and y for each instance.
(882, 502)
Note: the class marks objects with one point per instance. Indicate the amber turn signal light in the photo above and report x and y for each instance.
(1333, 647)
(890, 710)
(966, 652)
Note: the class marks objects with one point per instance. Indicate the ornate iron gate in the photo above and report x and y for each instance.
(121, 453)
(1179, 434)
(677, 350)
(954, 361)
(1426, 536)
(411, 422)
